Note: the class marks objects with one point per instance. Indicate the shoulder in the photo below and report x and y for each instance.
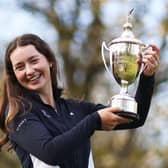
(22, 118)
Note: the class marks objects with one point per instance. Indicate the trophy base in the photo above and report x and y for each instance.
(127, 104)
(128, 115)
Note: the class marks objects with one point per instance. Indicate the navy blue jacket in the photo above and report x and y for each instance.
(62, 137)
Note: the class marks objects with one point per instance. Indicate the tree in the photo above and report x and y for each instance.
(79, 40)
(82, 65)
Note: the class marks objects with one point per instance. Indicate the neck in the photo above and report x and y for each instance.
(48, 98)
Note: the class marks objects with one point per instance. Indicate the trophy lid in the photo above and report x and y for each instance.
(127, 35)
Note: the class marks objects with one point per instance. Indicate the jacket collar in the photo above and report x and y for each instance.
(57, 92)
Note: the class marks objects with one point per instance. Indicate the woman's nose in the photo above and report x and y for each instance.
(29, 69)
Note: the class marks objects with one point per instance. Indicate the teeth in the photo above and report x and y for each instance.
(34, 77)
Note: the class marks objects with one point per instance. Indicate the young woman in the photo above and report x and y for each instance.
(46, 130)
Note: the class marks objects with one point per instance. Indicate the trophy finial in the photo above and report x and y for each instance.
(128, 24)
(127, 35)
(129, 15)
(127, 27)
(130, 12)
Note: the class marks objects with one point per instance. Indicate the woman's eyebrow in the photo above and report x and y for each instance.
(33, 56)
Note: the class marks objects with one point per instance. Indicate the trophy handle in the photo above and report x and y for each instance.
(103, 57)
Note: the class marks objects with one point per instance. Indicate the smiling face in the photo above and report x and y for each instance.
(31, 68)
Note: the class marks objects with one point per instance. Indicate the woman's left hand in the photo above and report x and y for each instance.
(151, 60)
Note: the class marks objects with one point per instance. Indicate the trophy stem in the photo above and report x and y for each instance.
(124, 87)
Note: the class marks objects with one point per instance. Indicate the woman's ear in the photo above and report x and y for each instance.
(50, 65)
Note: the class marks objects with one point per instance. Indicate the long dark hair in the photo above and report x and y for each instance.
(12, 96)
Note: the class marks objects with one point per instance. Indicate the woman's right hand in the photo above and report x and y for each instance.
(109, 119)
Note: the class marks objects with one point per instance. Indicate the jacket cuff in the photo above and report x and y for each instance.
(147, 80)
(97, 120)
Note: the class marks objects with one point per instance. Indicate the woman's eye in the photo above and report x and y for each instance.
(34, 61)
(19, 68)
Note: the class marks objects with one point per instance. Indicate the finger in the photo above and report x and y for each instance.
(123, 120)
(155, 48)
(119, 119)
(152, 59)
(149, 69)
(113, 109)
(110, 126)
(154, 55)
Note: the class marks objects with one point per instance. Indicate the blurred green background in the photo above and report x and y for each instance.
(75, 30)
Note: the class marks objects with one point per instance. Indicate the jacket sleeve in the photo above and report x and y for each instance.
(143, 97)
(31, 135)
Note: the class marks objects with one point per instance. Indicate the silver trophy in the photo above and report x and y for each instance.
(125, 54)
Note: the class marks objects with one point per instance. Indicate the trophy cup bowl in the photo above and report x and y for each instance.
(126, 65)
(125, 54)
